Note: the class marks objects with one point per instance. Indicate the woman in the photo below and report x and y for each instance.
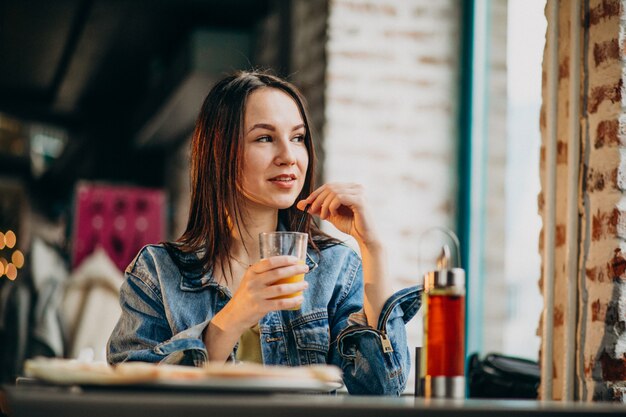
(208, 297)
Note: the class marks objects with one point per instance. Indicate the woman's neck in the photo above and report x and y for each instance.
(245, 246)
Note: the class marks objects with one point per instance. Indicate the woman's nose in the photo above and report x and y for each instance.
(285, 154)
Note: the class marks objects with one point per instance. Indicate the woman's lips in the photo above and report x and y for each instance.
(283, 182)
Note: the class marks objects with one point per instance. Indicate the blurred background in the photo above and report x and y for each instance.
(433, 106)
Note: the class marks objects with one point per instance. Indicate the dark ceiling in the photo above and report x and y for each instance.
(71, 59)
(87, 66)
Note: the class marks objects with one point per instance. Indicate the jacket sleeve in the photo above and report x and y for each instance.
(374, 361)
(143, 333)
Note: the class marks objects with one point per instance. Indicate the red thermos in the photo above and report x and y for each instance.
(443, 350)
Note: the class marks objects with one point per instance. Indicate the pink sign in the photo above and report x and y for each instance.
(120, 219)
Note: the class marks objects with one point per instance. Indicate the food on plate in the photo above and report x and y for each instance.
(69, 372)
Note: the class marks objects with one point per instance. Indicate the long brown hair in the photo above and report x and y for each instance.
(216, 167)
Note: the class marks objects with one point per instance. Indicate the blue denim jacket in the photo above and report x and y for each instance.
(165, 310)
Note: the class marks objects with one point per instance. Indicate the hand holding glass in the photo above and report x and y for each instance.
(285, 243)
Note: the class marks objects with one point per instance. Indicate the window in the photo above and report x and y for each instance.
(499, 175)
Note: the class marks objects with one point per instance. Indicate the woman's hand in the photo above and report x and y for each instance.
(256, 294)
(343, 204)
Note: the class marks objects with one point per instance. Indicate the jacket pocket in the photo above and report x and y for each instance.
(312, 336)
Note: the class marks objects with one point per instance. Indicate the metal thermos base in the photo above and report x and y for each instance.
(444, 387)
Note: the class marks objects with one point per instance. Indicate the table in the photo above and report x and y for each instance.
(56, 401)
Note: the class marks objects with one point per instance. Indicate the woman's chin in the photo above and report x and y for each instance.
(278, 205)
(285, 206)
(281, 202)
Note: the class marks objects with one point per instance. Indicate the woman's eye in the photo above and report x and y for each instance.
(264, 139)
(299, 138)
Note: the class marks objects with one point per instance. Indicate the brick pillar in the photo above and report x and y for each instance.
(561, 273)
(600, 318)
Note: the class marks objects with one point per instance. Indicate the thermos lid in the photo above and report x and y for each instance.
(453, 278)
(445, 277)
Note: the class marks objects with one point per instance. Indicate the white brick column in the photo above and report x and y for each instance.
(391, 117)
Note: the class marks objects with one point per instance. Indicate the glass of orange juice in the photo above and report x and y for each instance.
(285, 243)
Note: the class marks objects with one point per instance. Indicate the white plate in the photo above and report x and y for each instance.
(142, 376)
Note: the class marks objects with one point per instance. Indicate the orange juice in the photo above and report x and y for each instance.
(291, 280)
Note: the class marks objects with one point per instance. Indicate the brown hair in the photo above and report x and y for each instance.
(216, 166)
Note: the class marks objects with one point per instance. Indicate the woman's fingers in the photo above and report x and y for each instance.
(273, 262)
(344, 205)
(348, 194)
(301, 205)
(257, 292)
(339, 204)
(281, 273)
(324, 212)
(334, 206)
(285, 303)
(314, 195)
(281, 290)
(268, 271)
(316, 203)
(279, 296)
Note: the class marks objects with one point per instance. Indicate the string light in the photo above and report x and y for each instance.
(18, 259)
(3, 265)
(10, 239)
(11, 272)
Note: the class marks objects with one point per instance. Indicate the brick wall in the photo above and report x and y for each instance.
(391, 117)
(601, 306)
(560, 316)
(603, 346)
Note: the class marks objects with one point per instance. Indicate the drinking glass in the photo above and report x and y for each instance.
(285, 243)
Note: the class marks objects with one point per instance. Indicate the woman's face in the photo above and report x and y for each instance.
(275, 156)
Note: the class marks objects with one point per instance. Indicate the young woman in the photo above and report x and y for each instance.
(208, 297)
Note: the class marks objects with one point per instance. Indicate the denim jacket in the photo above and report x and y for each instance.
(165, 310)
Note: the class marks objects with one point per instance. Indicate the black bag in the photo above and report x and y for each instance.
(499, 376)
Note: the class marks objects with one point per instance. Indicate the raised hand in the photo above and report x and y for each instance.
(342, 204)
